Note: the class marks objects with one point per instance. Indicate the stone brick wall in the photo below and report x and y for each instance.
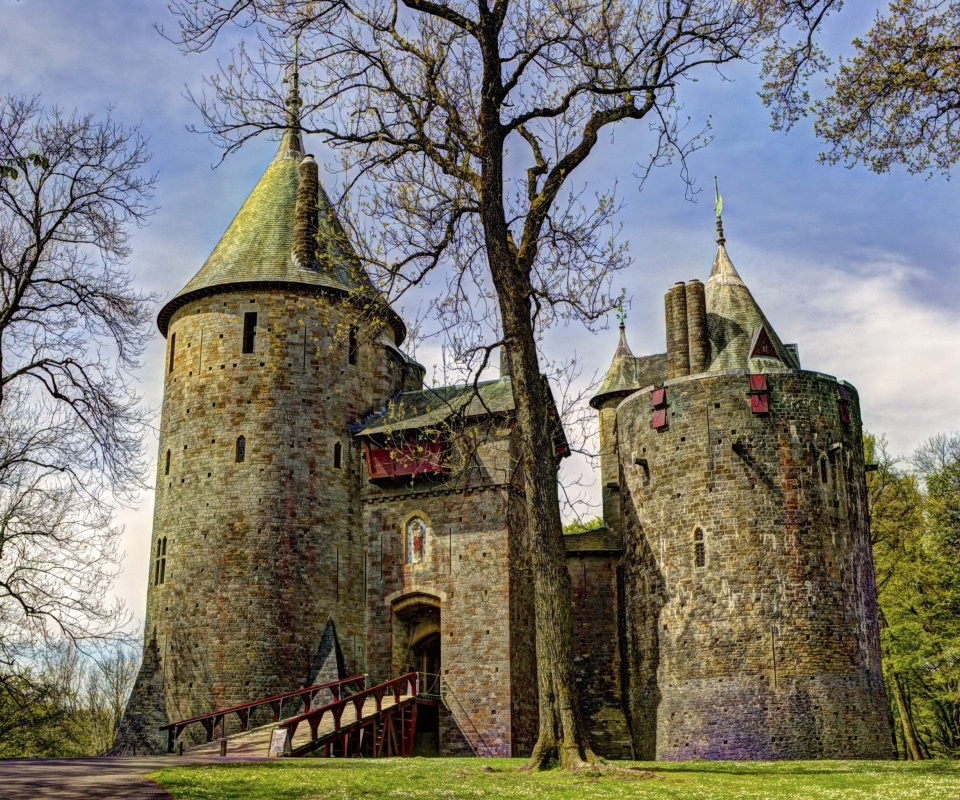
(467, 571)
(593, 579)
(770, 649)
(260, 555)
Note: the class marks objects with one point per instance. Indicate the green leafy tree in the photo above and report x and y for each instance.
(897, 100)
(915, 525)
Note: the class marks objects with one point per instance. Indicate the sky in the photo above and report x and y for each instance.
(861, 270)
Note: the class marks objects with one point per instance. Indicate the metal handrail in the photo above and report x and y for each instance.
(448, 692)
(429, 686)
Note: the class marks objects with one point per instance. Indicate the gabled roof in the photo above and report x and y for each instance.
(432, 407)
(599, 540)
(257, 247)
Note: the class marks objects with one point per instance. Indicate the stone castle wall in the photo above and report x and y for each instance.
(261, 555)
(595, 619)
(469, 573)
(770, 649)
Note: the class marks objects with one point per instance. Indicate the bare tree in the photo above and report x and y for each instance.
(461, 127)
(72, 329)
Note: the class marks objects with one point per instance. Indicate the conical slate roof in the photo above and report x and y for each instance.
(733, 318)
(257, 247)
(621, 378)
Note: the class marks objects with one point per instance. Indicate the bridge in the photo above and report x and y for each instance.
(378, 721)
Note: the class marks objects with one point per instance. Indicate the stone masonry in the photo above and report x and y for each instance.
(321, 513)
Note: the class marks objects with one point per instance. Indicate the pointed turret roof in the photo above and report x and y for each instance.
(734, 317)
(621, 378)
(257, 247)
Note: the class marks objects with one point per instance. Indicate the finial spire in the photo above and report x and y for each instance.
(293, 95)
(291, 144)
(621, 313)
(718, 206)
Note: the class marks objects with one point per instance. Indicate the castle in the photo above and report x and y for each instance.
(321, 513)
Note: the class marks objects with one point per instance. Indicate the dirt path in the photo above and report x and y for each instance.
(119, 778)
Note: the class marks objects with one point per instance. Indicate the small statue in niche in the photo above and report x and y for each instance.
(416, 532)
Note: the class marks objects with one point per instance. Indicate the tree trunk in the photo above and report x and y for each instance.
(910, 740)
(562, 734)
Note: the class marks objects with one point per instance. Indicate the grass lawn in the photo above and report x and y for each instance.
(428, 778)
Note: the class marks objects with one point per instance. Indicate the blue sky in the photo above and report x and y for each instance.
(860, 269)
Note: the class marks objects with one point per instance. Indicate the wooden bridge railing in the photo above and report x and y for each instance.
(386, 732)
(305, 695)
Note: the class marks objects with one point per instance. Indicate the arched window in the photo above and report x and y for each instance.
(337, 456)
(166, 466)
(416, 535)
(353, 346)
(160, 562)
(241, 448)
(823, 469)
(699, 549)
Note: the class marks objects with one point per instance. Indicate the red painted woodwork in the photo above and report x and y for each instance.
(659, 418)
(763, 347)
(759, 404)
(844, 412)
(217, 719)
(423, 458)
(758, 383)
(658, 397)
(387, 732)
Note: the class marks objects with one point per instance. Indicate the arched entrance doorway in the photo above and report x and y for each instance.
(417, 647)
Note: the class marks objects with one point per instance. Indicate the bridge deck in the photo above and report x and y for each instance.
(256, 741)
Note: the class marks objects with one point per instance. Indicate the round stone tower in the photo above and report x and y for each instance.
(749, 605)
(274, 347)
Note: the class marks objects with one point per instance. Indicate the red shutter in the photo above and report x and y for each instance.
(759, 404)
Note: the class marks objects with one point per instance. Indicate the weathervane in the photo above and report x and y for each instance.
(621, 314)
(718, 206)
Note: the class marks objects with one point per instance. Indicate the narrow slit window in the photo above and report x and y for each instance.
(337, 456)
(166, 465)
(173, 350)
(160, 568)
(823, 470)
(699, 549)
(353, 346)
(241, 448)
(249, 331)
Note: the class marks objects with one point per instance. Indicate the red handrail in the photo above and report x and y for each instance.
(314, 716)
(210, 720)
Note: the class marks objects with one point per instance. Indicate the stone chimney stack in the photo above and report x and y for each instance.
(697, 332)
(678, 343)
(305, 224)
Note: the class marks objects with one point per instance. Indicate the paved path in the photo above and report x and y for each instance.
(122, 777)
(116, 778)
